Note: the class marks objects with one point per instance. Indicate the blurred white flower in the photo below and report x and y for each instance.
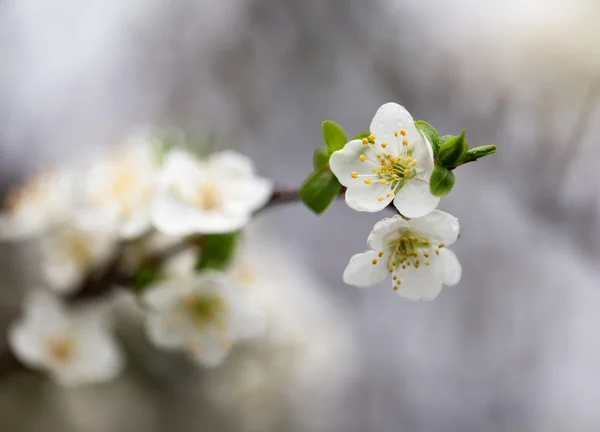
(36, 206)
(394, 163)
(203, 314)
(73, 345)
(73, 250)
(413, 251)
(210, 196)
(120, 188)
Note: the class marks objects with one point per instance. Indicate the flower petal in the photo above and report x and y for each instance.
(232, 165)
(247, 195)
(423, 283)
(450, 267)
(383, 231)
(346, 161)
(168, 330)
(392, 117)
(361, 271)
(24, 342)
(415, 200)
(100, 358)
(369, 197)
(209, 348)
(438, 226)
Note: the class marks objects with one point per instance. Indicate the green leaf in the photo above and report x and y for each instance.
(144, 277)
(333, 135)
(453, 150)
(361, 135)
(321, 158)
(442, 181)
(479, 152)
(319, 190)
(216, 250)
(431, 134)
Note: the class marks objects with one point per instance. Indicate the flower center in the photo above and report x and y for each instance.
(208, 197)
(409, 249)
(60, 349)
(79, 248)
(395, 170)
(205, 310)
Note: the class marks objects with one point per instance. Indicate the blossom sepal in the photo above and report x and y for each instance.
(453, 150)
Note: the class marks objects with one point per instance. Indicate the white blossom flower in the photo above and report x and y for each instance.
(38, 205)
(413, 252)
(394, 163)
(73, 345)
(210, 196)
(120, 188)
(203, 314)
(73, 250)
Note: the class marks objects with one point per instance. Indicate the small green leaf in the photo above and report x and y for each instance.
(321, 158)
(361, 135)
(319, 190)
(453, 150)
(479, 152)
(333, 136)
(442, 181)
(431, 134)
(144, 277)
(216, 250)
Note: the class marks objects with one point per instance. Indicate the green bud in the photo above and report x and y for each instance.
(321, 158)
(479, 152)
(216, 250)
(333, 136)
(442, 181)
(361, 135)
(453, 150)
(319, 190)
(431, 134)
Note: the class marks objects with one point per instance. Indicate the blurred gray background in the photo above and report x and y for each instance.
(513, 347)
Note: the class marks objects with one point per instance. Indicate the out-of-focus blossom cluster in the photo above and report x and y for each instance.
(86, 220)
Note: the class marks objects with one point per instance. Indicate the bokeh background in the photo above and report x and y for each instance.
(513, 347)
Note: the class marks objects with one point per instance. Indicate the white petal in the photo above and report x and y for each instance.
(209, 348)
(232, 164)
(423, 154)
(62, 274)
(392, 117)
(438, 226)
(423, 283)
(361, 271)
(450, 267)
(414, 199)
(247, 195)
(172, 217)
(136, 225)
(182, 167)
(100, 357)
(366, 197)
(168, 330)
(26, 344)
(164, 296)
(346, 161)
(383, 231)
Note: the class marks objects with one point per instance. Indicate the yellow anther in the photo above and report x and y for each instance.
(394, 263)
(391, 269)
(394, 176)
(414, 163)
(375, 170)
(380, 254)
(374, 261)
(383, 181)
(389, 194)
(425, 242)
(405, 142)
(380, 198)
(365, 141)
(384, 145)
(354, 174)
(395, 277)
(405, 172)
(395, 133)
(371, 137)
(396, 288)
(362, 158)
(403, 266)
(441, 245)
(437, 252)
(426, 255)
(390, 156)
(403, 132)
(367, 181)
(409, 159)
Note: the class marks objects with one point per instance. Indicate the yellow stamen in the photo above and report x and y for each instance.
(414, 163)
(354, 174)
(365, 141)
(441, 245)
(380, 198)
(371, 137)
(374, 261)
(409, 159)
(403, 132)
(389, 194)
(395, 133)
(405, 172)
(383, 145)
(380, 254)
(367, 180)
(437, 252)
(362, 158)
(405, 142)
(383, 181)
